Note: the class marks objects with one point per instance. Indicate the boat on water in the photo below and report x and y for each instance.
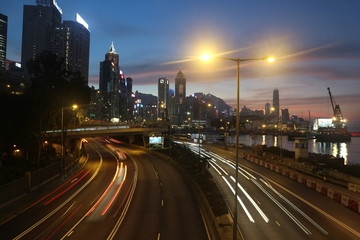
(332, 129)
(333, 135)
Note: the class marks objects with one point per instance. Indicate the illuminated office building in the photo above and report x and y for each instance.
(109, 83)
(163, 99)
(72, 43)
(3, 40)
(180, 95)
(38, 21)
(276, 105)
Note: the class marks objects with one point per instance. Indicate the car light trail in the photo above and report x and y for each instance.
(266, 219)
(105, 192)
(63, 223)
(298, 210)
(62, 204)
(283, 208)
(57, 189)
(67, 189)
(215, 168)
(220, 168)
(239, 200)
(117, 190)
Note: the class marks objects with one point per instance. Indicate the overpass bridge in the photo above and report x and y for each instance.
(101, 131)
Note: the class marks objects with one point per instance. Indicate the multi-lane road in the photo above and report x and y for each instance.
(119, 193)
(271, 206)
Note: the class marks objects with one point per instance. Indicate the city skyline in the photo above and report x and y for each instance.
(315, 43)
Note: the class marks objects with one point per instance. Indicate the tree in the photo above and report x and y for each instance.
(52, 88)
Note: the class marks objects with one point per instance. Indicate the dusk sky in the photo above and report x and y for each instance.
(316, 43)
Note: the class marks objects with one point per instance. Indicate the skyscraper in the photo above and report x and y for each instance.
(285, 116)
(71, 41)
(180, 94)
(163, 99)
(3, 39)
(38, 21)
(267, 109)
(276, 105)
(110, 83)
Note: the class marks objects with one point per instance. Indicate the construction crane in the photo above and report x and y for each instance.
(338, 120)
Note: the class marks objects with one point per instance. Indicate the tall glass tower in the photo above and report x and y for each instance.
(276, 105)
(180, 94)
(71, 41)
(38, 21)
(110, 82)
(3, 39)
(163, 99)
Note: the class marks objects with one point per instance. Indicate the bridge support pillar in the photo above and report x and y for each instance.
(131, 139)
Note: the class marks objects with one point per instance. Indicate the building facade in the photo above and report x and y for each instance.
(38, 21)
(109, 83)
(163, 99)
(3, 40)
(276, 106)
(72, 43)
(180, 95)
(267, 109)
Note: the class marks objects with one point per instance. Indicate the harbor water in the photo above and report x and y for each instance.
(350, 151)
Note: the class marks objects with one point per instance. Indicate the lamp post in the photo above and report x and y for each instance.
(73, 107)
(237, 60)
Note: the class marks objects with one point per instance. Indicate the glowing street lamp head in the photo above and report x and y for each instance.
(74, 106)
(205, 57)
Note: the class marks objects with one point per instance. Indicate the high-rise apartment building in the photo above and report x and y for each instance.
(3, 39)
(163, 99)
(38, 21)
(276, 105)
(180, 95)
(71, 41)
(110, 82)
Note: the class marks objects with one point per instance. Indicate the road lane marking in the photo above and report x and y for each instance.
(155, 172)
(63, 223)
(69, 208)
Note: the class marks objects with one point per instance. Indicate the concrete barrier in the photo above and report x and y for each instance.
(330, 193)
(337, 197)
(354, 205)
(345, 200)
(324, 190)
(310, 183)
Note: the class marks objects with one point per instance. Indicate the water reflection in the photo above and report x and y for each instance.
(333, 149)
(349, 151)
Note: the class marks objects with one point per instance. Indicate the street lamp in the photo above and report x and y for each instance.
(73, 107)
(207, 57)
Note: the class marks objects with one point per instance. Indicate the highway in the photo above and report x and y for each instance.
(112, 196)
(271, 206)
